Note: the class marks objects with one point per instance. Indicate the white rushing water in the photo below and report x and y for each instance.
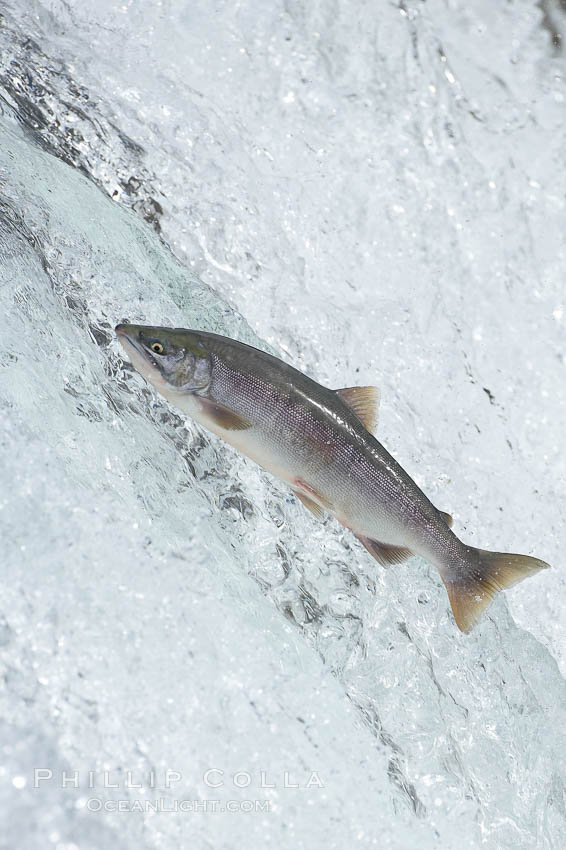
(376, 191)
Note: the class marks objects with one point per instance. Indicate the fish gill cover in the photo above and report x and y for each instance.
(379, 190)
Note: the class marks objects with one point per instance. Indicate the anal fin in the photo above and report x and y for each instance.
(384, 552)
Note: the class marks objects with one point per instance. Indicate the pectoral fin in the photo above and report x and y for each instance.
(364, 402)
(222, 416)
(383, 552)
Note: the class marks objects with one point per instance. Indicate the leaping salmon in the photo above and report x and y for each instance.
(319, 441)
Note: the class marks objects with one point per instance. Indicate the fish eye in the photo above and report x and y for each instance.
(157, 347)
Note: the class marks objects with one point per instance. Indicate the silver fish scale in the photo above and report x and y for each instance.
(308, 436)
(302, 430)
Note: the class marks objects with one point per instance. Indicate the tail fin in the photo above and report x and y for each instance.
(472, 591)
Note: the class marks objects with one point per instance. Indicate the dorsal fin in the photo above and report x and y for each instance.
(364, 401)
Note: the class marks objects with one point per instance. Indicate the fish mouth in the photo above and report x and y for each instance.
(131, 344)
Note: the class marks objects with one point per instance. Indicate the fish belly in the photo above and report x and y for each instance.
(326, 471)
